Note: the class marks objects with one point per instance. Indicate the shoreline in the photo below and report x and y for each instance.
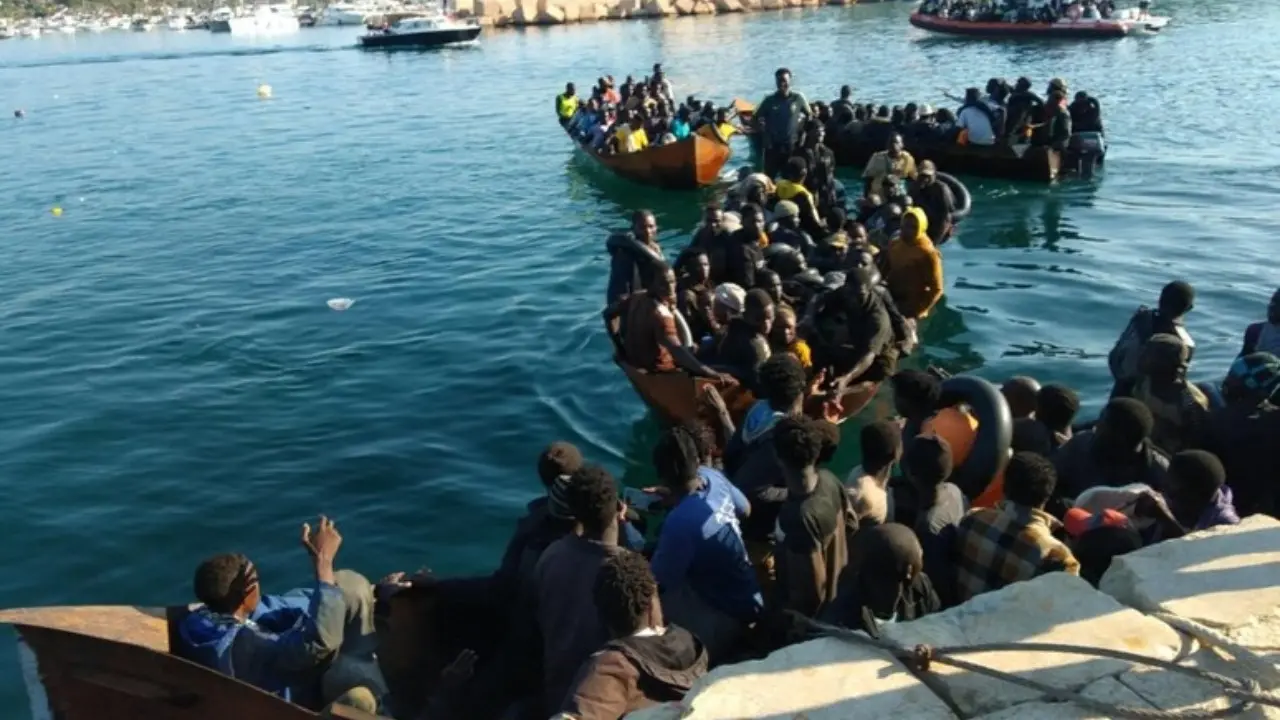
(533, 13)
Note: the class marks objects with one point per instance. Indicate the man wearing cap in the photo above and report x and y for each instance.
(787, 230)
(936, 200)
(727, 303)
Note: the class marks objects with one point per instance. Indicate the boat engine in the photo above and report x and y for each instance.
(1085, 153)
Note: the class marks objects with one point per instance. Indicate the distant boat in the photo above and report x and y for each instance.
(345, 14)
(176, 24)
(142, 25)
(265, 20)
(431, 31)
(92, 27)
(68, 29)
(30, 32)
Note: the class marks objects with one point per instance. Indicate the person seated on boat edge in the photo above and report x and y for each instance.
(778, 120)
(588, 115)
(1021, 110)
(852, 335)
(300, 645)
(976, 119)
(813, 526)
(707, 583)
(792, 187)
(567, 104)
(1086, 113)
(681, 127)
(648, 659)
(787, 230)
(650, 338)
(996, 547)
(1242, 433)
(885, 581)
(744, 347)
(888, 167)
(1264, 336)
(914, 272)
(784, 337)
(1179, 408)
(1177, 298)
(936, 200)
(630, 134)
(1116, 452)
(696, 297)
(598, 137)
(635, 257)
(744, 249)
(1054, 129)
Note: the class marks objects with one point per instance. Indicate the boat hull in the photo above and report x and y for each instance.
(1009, 162)
(688, 164)
(435, 38)
(115, 663)
(1072, 30)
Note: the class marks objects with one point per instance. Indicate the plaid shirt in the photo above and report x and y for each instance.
(1002, 545)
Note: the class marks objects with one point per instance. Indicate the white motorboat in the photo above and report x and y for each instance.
(176, 24)
(27, 32)
(266, 19)
(434, 30)
(142, 25)
(92, 26)
(346, 14)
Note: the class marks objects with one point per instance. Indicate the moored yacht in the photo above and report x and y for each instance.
(265, 19)
(346, 14)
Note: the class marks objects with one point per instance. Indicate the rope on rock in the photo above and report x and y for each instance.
(1265, 672)
(1244, 692)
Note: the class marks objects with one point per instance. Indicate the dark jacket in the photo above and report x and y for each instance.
(1244, 439)
(1055, 131)
(1022, 108)
(752, 464)
(742, 258)
(741, 352)
(798, 239)
(938, 204)
(636, 672)
(1080, 467)
(849, 609)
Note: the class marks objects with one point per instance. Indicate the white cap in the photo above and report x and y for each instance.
(730, 296)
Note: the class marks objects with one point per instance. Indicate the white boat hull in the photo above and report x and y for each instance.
(256, 25)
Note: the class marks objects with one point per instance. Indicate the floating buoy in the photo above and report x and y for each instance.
(340, 304)
(264, 91)
(19, 113)
(56, 211)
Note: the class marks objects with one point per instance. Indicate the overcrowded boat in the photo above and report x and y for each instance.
(1056, 19)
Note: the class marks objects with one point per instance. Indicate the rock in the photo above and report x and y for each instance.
(684, 7)
(1107, 690)
(704, 7)
(729, 6)
(595, 11)
(842, 2)
(1055, 608)
(656, 8)
(1224, 577)
(464, 8)
(494, 9)
(794, 3)
(772, 4)
(553, 15)
(825, 679)
(1168, 690)
(525, 13)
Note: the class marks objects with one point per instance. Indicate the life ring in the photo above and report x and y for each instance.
(979, 439)
(964, 201)
(682, 329)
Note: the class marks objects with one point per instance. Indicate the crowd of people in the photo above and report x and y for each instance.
(760, 536)
(637, 115)
(1021, 11)
(601, 606)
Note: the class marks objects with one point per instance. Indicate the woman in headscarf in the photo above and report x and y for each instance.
(884, 581)
(914, 271)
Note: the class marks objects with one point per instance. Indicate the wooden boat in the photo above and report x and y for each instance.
(675, 397)
(1066, 28)
(1010, 162)
(688, 164)
(119, 663)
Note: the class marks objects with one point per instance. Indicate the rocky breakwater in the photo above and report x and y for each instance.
(507, 13)
(1210, 601)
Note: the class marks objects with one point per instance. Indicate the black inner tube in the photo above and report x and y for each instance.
(964, 201)
(990, 452)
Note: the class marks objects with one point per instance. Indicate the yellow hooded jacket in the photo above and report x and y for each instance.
(915, 270)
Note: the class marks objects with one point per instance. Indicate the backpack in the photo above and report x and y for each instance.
(1123, 359)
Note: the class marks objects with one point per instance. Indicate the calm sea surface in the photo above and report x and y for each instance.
(174, 385)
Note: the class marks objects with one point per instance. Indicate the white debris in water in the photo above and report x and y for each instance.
(341, 304)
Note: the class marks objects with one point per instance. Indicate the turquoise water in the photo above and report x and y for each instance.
(174, 384)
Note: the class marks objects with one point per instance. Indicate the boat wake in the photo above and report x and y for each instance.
(161, 56)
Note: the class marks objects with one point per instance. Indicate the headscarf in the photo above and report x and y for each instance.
(922, 235)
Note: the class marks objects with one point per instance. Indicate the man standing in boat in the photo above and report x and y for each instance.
(779, 118)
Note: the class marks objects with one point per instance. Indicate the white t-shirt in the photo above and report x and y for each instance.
(978, 125)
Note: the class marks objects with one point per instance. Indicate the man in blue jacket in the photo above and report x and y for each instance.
(314, 640)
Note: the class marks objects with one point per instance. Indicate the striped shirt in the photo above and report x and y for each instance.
(1005, 544)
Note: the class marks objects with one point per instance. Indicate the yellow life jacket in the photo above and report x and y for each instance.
(566, 105)
(788, 190)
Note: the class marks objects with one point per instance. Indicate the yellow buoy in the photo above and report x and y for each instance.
(57, 211)
(264, 91)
